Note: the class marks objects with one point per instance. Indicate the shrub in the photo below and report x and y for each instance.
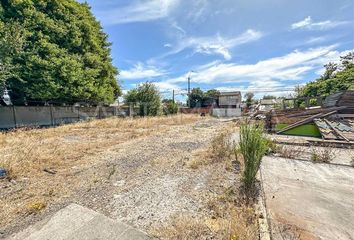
(169, 107)
(253, 146)
(324, 155)
(147, 97)
(291, 152)
(221, 146)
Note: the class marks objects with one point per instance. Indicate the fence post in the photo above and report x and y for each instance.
(78, 113)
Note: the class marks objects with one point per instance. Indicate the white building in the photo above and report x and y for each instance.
(228, 105)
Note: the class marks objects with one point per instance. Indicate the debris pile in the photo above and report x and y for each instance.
(333, 121)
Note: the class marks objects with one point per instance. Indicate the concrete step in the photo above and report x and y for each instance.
(75, 222)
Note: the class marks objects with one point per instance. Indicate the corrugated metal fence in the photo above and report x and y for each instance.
(29, 116)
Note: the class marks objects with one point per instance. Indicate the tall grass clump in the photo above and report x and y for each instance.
(253, 145)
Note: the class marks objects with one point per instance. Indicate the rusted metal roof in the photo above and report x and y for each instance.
(338, 129)
(344, 98)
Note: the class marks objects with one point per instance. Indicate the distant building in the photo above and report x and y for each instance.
(269, 104)
(228, 105)
(229, 99)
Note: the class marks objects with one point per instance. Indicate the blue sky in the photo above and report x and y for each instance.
(264, 46)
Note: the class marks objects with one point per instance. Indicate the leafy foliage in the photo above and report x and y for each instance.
(11, 43)
(199, 98)
(146, 96)
(249, 98)
(337, 77)
(169, 107)
(269, 97)
(64, 54)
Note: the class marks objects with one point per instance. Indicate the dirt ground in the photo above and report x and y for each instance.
(153, 175)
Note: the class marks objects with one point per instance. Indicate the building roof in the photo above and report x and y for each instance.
(237, 93)
(270, 101)
(344, 98)
(337, 129)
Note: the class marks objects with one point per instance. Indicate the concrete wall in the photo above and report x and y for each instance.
(226, 112)
(229, 100)
(27, 116)
(6, 117)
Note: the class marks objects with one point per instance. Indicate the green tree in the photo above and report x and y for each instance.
(269, 97)
(11, 44)
(146, 96)
(249, 98)
(196, 97)
(66, 54)
(199, 98)
(169, 107)
(336, 78)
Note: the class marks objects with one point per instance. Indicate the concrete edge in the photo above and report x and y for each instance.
(261, 210)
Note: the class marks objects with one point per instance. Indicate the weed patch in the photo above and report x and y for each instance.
(291, 152)
(226, 221)
(324, 155)
(253, 146)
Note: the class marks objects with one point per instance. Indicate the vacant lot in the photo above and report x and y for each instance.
(157, 174)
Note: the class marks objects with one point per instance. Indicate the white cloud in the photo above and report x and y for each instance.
(266, 73)
(139, 11)
(166, 86)
(316, 40)
(140, 71)
(309, 24)
(215, 45)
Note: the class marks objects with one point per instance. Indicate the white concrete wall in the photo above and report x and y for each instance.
(226, 112)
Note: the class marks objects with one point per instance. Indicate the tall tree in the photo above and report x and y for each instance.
(66, 54)
(336, 78)
(249, 98)
(196, 97)
(11, 44)
(199, 98)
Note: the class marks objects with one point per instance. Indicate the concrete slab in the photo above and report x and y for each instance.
(75, 222)
(308, 200)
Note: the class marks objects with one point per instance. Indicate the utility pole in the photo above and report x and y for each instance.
(189, 91)
(173, 96)
(189, 88)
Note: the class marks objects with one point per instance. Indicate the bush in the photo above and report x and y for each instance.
(169, 107)
(253, 145)
(146, 96)
(324, 155)
(221, 146)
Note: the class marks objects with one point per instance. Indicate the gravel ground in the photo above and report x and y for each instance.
(146, 181)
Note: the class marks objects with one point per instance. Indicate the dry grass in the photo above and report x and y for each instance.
(226, 216)
(69, 150)
(220, 150)
(36, 206)
(226, 221)
(27, 152)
